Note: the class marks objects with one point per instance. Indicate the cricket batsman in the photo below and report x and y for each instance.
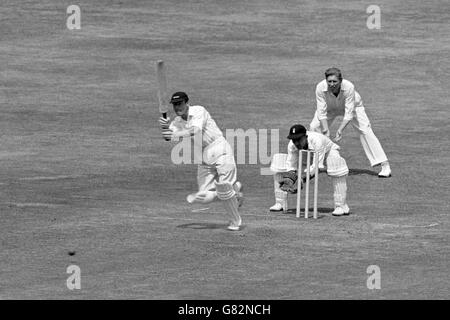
(336, 96)
(216, 175)
(285, 168)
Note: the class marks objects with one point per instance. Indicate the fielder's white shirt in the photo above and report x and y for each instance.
(316, 142)
(200, 118)
(344, 104)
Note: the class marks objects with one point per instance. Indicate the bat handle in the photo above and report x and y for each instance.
(164, 115)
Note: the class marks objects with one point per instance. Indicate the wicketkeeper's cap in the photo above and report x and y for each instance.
(179, 96)
(296, 131)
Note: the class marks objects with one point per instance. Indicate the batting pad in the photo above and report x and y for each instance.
(340, 191)
(281, 197)
(226, 193)
(277, 178)
(336, 165)
(278, 163)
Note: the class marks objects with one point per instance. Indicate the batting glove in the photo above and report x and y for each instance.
(167, 134)
(164, 123)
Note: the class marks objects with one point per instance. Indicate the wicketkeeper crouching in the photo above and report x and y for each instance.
(284, 166)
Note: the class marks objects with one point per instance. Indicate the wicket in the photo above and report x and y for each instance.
(308, 174)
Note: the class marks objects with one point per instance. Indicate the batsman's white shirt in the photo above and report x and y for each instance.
(200, 118)
(217, 156)
(344, 104)
(316, 142)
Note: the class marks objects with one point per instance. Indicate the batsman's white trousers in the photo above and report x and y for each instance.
(218, 165)
(371, 145)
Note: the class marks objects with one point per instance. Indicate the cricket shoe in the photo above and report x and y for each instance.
(341, 211)
(203, 197)
(385, 170)
(276, 207)
(235, 226)
(238, 188)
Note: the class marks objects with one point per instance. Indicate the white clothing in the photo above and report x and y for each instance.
(218, 162)
(198, 117)
(349, 104)
(316, 142)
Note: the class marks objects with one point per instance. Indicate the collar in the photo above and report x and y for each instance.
(188, 115)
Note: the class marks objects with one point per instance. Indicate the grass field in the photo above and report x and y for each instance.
(83, 167)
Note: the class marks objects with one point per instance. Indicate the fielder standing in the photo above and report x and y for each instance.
(216, 175)
(336, 96)
(325, 150)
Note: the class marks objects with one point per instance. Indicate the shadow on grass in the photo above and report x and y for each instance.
(200, 226)
(293, 211)
(319, 210)
(354, 172)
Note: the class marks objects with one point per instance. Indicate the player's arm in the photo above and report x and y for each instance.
(318, 145)
(186, 133)
(348, 114)
(172, 133)
(197, 123)
(292, 157)
(322, 111)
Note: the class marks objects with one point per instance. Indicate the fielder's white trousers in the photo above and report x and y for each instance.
(218, 165)
(371, 145)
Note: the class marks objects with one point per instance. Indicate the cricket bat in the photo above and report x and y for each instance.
(162, 88)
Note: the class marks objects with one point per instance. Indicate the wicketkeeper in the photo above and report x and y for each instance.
(285, 166)
(216, 175)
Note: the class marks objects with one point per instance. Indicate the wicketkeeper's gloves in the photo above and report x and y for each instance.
(289, 182)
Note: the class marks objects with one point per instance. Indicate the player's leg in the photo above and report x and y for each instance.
(206, 176)
(239, 189)
(316, 127)
(337, 169)
(217, 155)
(226, 191)
(277, 166)
(371, 145)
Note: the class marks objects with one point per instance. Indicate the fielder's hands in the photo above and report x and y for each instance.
(338, 136)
